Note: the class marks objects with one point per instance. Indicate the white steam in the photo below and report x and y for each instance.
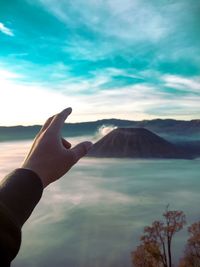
(105, 129)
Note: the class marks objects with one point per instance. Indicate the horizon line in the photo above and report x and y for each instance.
(32, 125)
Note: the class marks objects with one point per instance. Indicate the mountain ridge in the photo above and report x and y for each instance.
(108, 120)
(169, 128)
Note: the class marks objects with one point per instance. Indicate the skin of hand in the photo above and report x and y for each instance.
(51, 156)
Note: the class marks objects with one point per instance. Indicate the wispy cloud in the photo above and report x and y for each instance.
(135, 101)
(6, 30)
(179, 82)
(130, 20)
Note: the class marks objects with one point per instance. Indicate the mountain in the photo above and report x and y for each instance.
(168, 128)
(135, 143)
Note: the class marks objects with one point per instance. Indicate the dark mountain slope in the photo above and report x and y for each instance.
(135, 143)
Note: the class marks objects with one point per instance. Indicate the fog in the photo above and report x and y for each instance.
(95, 214)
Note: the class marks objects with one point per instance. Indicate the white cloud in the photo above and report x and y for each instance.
(5, 30)
(179, 82)
(24, 103)
(125, 20)
(5, 74)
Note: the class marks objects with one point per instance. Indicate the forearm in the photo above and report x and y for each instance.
(20, 191)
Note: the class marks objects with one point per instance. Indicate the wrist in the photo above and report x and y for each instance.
(27, 168)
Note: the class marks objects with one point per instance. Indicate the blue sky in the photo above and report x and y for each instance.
(130, 59)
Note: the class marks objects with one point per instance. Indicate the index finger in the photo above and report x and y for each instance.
(46, 124)
(58, 120)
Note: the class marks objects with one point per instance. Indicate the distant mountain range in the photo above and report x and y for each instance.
(137, 143)
(175, 130)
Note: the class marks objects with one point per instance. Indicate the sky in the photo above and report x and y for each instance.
(130, 59)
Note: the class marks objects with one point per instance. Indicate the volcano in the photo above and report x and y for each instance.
(135, 143)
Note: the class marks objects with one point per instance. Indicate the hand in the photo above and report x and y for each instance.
(50, 156)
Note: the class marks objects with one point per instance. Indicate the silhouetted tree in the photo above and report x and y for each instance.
(174, 223)
(192, 250)
(156, 242)
(147, 255)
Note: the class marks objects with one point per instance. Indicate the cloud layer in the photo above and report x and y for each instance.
(136, 59)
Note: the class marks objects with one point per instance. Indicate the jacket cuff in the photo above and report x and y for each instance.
(20, 191)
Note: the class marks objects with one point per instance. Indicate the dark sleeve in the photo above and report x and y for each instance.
(20, 191)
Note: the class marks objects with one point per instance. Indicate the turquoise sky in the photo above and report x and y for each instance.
(124, 59)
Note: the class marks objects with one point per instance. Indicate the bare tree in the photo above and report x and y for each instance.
(147, 255)
(156, 243)
(192, 251)
(175, 221)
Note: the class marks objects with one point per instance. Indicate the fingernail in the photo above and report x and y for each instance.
(68, 110)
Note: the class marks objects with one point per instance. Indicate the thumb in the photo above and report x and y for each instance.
(81, 150)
